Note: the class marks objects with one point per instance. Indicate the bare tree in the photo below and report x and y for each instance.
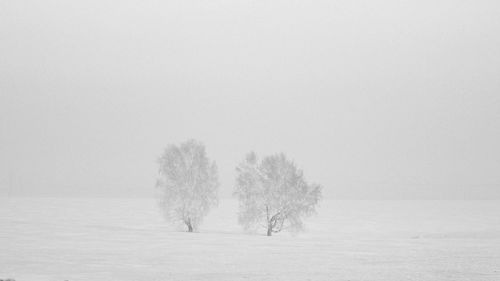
(273, 194)
(189, 184)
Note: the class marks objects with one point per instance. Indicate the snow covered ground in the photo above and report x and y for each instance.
(126, 239)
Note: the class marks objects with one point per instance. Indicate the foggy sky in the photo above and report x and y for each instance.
(372, 99)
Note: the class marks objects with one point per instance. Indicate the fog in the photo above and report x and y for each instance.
(386, 100)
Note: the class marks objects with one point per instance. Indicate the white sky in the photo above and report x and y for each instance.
(373, 99)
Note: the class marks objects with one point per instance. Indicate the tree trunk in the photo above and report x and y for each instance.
(269, 230)
(189, 225)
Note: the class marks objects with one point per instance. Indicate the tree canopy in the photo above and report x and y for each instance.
(189, 184)
(273, 194)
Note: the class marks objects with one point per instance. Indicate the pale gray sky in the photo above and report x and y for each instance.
(373, 99)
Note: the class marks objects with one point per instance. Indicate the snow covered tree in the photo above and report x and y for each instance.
(189, 183)
(274, 194)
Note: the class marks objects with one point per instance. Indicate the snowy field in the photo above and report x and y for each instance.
(126, 239)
